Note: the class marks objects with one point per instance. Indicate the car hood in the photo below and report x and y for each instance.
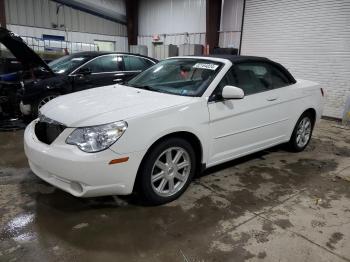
(23, 53)
(108, 104)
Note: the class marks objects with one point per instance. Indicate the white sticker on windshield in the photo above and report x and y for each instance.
(206, 66)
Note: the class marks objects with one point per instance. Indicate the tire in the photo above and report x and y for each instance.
(41, 101)
(302, 132)
(169, 181)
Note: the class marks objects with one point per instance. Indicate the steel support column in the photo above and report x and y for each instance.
(2, 14)
(132, 15)
(213, 12)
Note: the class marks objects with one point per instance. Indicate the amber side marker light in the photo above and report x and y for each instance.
(118, 160)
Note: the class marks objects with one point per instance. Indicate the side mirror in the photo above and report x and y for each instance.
(232, 92)
(84, 71)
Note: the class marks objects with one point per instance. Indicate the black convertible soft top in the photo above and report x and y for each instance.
(241, 59)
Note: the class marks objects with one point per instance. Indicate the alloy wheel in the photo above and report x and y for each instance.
(45, 100)
(303, 132)
(170, 171)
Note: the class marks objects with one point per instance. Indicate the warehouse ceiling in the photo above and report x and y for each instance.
(95, 9)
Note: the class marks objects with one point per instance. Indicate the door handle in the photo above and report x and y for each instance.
(272, 99)
(117, 80)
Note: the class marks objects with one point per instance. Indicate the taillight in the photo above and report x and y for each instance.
(322, 91)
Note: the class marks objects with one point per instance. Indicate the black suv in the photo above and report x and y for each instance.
(40, 82)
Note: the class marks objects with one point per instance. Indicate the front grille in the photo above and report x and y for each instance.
(48, 132)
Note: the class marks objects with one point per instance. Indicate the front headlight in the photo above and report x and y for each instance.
(96, 138)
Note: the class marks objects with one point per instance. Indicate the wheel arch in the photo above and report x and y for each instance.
(186, 135)
(310, 110)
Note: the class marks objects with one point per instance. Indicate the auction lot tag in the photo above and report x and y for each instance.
(206, 66)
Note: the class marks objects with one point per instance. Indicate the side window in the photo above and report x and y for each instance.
(255, 77)
(278, 77)
(133, 63)
(95, 66)
(148, 63)
(252, 77)
(109, 63)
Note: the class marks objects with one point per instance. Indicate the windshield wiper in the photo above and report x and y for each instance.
(145, 87)
(149, 88)
(141, 87)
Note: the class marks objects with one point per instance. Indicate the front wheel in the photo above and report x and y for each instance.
(302, 133)
(41, 102)
(167, 171)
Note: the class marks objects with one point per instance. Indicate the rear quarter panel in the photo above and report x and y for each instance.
(308, 95)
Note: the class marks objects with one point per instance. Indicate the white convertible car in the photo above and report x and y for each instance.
(152, 134)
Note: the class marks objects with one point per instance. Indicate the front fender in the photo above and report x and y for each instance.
(143, 132)
(35, 90)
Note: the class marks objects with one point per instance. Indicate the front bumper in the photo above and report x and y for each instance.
(76, 172)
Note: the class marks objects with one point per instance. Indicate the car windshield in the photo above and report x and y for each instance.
(66, 64)
(178, 76)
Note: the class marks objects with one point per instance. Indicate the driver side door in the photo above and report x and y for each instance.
(242, 126)
(100, 71)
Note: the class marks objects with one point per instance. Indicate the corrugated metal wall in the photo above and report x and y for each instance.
(42, 13)
(311, 38)
(176, 39)
(176, 21)
(37, 17)
(231, 23)
(171, 16)
(121, 42)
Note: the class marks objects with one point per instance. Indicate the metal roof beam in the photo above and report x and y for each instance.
(94, 9)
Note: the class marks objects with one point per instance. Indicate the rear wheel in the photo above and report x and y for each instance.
(302, 132)
(167, 171)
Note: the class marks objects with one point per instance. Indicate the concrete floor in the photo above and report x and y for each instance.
(272, 206)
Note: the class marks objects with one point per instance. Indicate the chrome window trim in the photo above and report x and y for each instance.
(121, 55)
(153, 62)
(114, 72)
(73, 73)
